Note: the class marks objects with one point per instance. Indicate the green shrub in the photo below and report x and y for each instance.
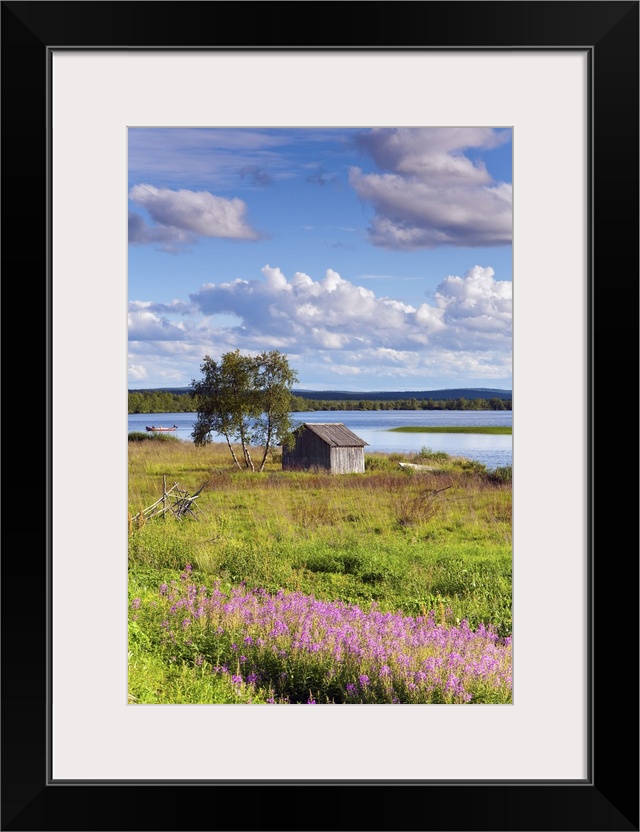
(470, 466)
(501, 474)
(428, 454)
(378, 463)
(325, 562)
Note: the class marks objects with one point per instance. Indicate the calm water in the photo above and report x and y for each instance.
(373, 426)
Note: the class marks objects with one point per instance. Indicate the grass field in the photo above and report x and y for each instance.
(305, 587)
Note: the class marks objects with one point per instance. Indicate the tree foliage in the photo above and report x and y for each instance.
(246, 399)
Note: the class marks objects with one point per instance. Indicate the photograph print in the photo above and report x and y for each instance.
(320, 415)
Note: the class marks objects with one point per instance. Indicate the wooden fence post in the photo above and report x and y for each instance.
(164, 496)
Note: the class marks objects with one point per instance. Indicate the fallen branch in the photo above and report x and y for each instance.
(175, 501)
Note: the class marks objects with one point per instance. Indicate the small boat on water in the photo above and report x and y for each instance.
(154, 428)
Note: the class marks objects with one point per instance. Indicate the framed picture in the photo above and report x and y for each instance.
(564, 78)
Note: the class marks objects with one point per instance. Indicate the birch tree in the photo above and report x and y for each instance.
(274, 379)
(245, 399)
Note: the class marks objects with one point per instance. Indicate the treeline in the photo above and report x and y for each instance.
(397, 395)
(165, 402)
(302, 405)
(160, 401)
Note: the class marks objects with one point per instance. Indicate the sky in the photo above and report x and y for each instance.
(375, 259)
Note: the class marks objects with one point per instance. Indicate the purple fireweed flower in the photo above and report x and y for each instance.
(311, 702)
(452, 683)
(237, 680)
(351, 689)
(163, 589)
(271, 701)
(200, 660)
(188, 568)
(243, 658)
(135, 604)
(334, 638)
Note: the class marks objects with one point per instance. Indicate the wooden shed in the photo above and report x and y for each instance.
(326, 446)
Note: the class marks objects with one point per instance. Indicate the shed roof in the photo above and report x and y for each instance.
(335, 434)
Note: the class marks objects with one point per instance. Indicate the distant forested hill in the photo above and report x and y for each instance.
(177, 400)
(394, 395)
(380, 396)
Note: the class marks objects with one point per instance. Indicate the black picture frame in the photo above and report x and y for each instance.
(608, 798)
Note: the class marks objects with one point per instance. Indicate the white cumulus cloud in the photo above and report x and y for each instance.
(333, 327)
(183, 216)
(476, 309)
(429, 192)
(330, 312)
(145, 326)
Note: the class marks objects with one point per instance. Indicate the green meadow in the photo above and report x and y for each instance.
(393, 540)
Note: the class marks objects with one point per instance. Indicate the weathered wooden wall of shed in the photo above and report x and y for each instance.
(347, 460)
(309, 452)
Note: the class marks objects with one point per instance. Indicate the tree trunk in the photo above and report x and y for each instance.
(233, 453)
(247, 456)
(267, 445)
(245, 451)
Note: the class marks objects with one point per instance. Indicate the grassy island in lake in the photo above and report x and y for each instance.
(499, 430)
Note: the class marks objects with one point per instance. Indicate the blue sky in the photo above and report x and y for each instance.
(375, 259)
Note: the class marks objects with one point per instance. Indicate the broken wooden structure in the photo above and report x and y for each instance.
(175, 501)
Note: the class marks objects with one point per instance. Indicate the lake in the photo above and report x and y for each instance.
(374, 427)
